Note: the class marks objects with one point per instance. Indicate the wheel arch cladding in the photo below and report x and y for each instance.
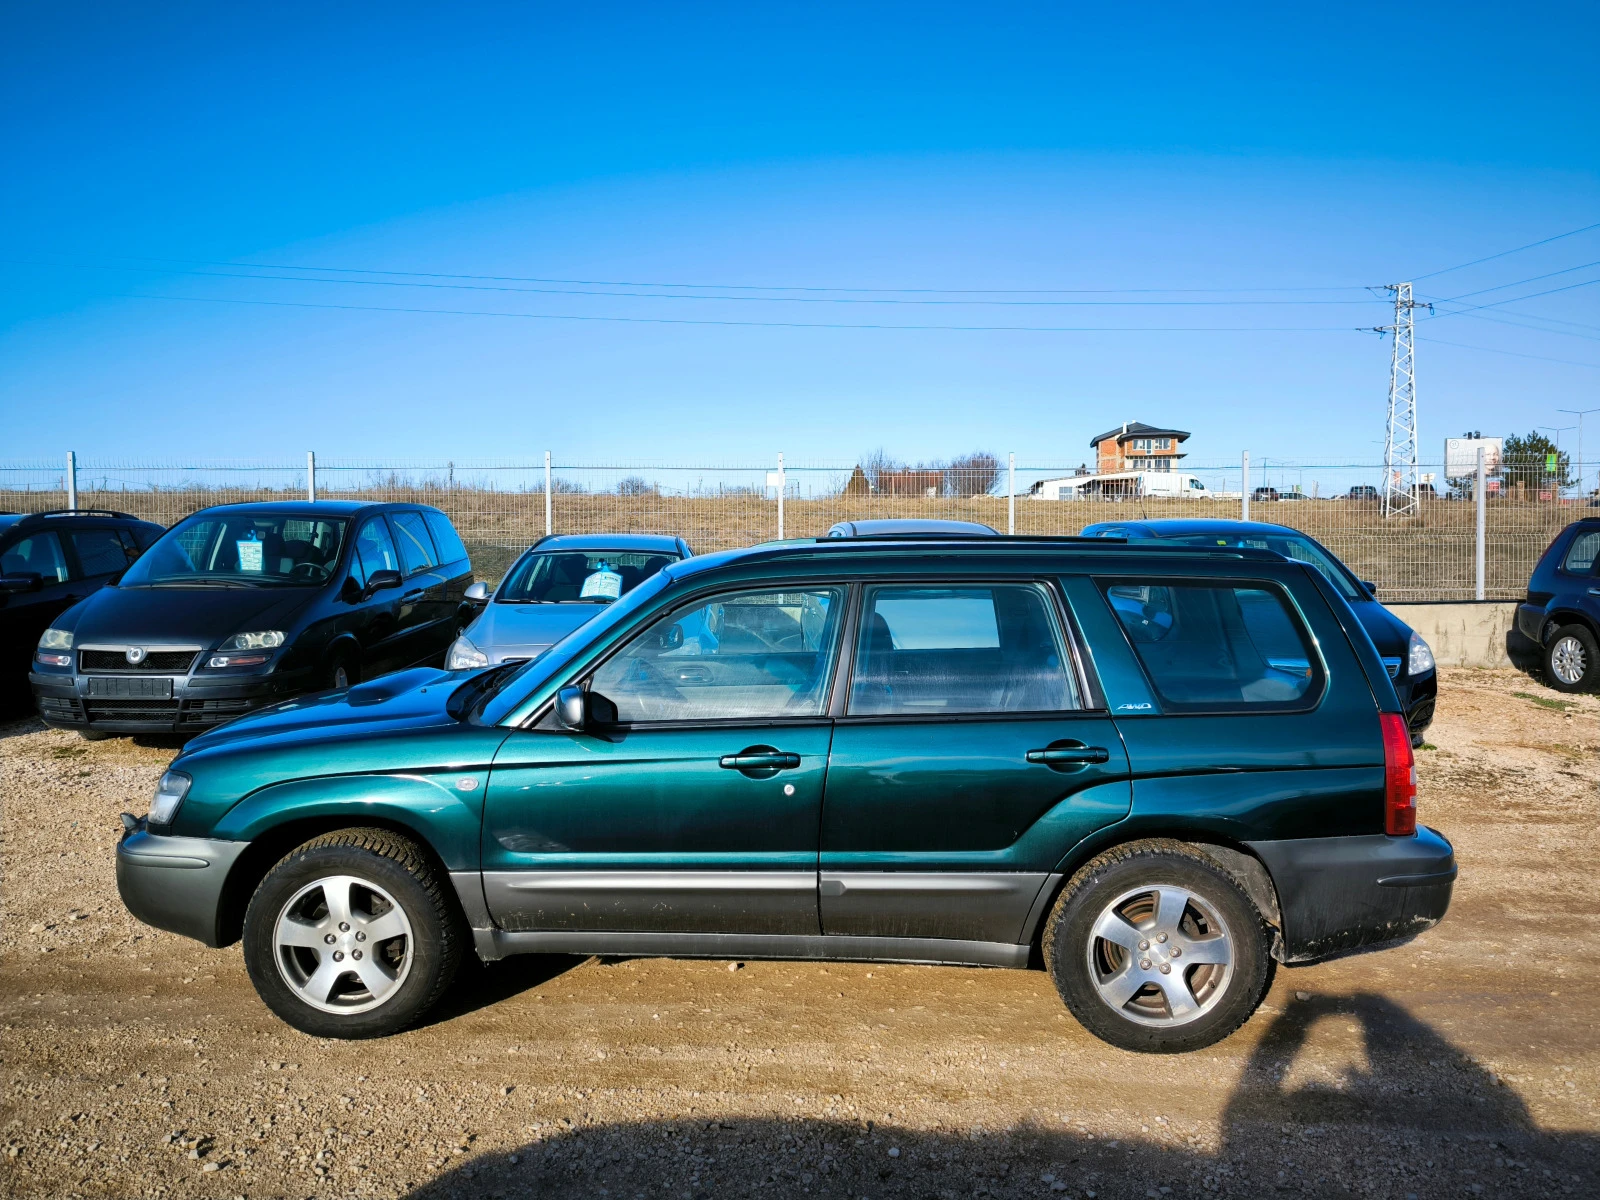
(275, 843)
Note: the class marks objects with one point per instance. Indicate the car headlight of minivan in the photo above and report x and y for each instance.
(55, 648)
(265, 639)
(1419, 658)
(464, 656)
(174, 786)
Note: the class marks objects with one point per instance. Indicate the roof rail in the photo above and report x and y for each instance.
(982, 538)
(83, 512)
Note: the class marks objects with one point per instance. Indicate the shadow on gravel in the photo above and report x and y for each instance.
(481, 984)
(1417, 1118)
(19, 723)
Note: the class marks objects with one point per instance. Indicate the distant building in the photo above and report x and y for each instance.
(1137, 447)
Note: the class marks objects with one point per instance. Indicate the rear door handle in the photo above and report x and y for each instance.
(1071, 756)
(1594, 591)
(761, 760)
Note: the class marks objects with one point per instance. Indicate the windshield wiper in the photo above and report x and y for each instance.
(203, 582)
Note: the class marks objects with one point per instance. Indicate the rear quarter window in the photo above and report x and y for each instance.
(1581, 554)
(1219, 646)
(445, 538)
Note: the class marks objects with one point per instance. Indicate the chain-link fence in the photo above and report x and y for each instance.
(500, 508)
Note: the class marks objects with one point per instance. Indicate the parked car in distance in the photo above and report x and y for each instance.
(1264, 493)
(911, 527)
(1156, 770)
(1362, 491)
(245, 605)
(1406, 655)
(558, 583)
(1557, 626)
(48, 562)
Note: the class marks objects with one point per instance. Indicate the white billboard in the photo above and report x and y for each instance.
(1461, 456)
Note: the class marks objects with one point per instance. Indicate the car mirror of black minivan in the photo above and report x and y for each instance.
(379, 580)
(1372, 588)
(23, 581)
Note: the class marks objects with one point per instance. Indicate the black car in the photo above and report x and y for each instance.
(1406, 656)
(245, 605)
(48, 562)
(1556, 625)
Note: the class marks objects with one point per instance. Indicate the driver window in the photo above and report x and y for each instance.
(37, 555)
(742, 656)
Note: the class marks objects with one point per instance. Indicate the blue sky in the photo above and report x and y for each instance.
(1115, 181)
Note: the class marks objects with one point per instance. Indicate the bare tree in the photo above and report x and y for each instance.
(972, 474)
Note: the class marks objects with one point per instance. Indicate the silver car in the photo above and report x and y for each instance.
(560, 582)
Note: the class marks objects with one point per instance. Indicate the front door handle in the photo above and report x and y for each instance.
(1069, 756)
(759, 760)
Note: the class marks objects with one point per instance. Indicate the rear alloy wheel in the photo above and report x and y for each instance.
(352, 935)
(1572, 659)
(1155, 947)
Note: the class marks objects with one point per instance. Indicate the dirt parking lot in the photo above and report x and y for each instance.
(1467, 1063)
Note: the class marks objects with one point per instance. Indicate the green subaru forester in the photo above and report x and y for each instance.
(1154, 772)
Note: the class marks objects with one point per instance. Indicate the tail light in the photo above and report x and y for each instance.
(1399, 777)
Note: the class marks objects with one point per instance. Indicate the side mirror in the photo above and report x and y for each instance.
(670, 638)
(571, 710)
(25, 581)
(477, 593)
(1372, 588)
(379, 580)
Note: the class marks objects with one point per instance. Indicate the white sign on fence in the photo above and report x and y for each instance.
(1461, 456)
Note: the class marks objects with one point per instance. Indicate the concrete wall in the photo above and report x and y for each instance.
(1469, 633)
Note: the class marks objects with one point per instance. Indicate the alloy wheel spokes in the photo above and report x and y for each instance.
(343, 944)
(1160, 955)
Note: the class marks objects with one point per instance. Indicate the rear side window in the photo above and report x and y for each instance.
(1580, 557)
(444, 538)
(416, 547)
(992, 648)
(99, 551)
(1218, 647)
(38, 555)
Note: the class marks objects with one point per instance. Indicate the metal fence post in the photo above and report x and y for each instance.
(780, 495)
(72, 479)
(1011, 493)
(1244, 487)
(1479, 490)
(549, 514)
(311, 476)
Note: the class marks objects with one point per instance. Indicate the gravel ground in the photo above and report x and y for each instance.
(1465, 1063)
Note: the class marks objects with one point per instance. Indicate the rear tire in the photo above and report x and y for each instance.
(1572, 659)
(353, 935)
(1155, 948)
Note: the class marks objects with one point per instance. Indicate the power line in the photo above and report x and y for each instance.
(1512, 353)
(1503, 253)
(456, 312)
(1500, 287)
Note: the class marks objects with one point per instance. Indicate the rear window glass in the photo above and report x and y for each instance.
(445, 538)
(1580, 558)
(1210, 647)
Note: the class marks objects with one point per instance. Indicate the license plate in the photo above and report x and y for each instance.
(130, 689)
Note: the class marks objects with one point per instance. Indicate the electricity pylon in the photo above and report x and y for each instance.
(1400, 498)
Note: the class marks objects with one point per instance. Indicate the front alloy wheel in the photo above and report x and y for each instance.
(343, 944)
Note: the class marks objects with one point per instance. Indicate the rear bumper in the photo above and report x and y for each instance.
(1340, 894)
(63, 702)
(175, 883)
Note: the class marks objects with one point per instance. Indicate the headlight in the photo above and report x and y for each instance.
(56, 639)
(170, 792)
(265, 639)
(464, 656)
(1419, 657)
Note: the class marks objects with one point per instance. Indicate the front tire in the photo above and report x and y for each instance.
(1572, 660)
(343, 672)
(1155, 948)
(352, 935)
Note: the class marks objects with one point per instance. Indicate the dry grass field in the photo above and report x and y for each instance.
(1427, 557)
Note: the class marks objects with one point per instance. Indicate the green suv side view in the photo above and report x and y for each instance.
(1154, 772)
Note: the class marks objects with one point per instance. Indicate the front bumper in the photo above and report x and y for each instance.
(176, 883)
(197, 702)
(1339, 894)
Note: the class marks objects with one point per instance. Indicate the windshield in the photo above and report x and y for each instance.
(586, 576)
(1295, 546)
(508, 689)
(242, 549)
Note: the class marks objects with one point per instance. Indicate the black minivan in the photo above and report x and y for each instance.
(244, 605)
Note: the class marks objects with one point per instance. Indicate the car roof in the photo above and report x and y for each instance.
(895, 555)
(9, 521)
(315, 508)
(661, 542)
(1192, 527)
